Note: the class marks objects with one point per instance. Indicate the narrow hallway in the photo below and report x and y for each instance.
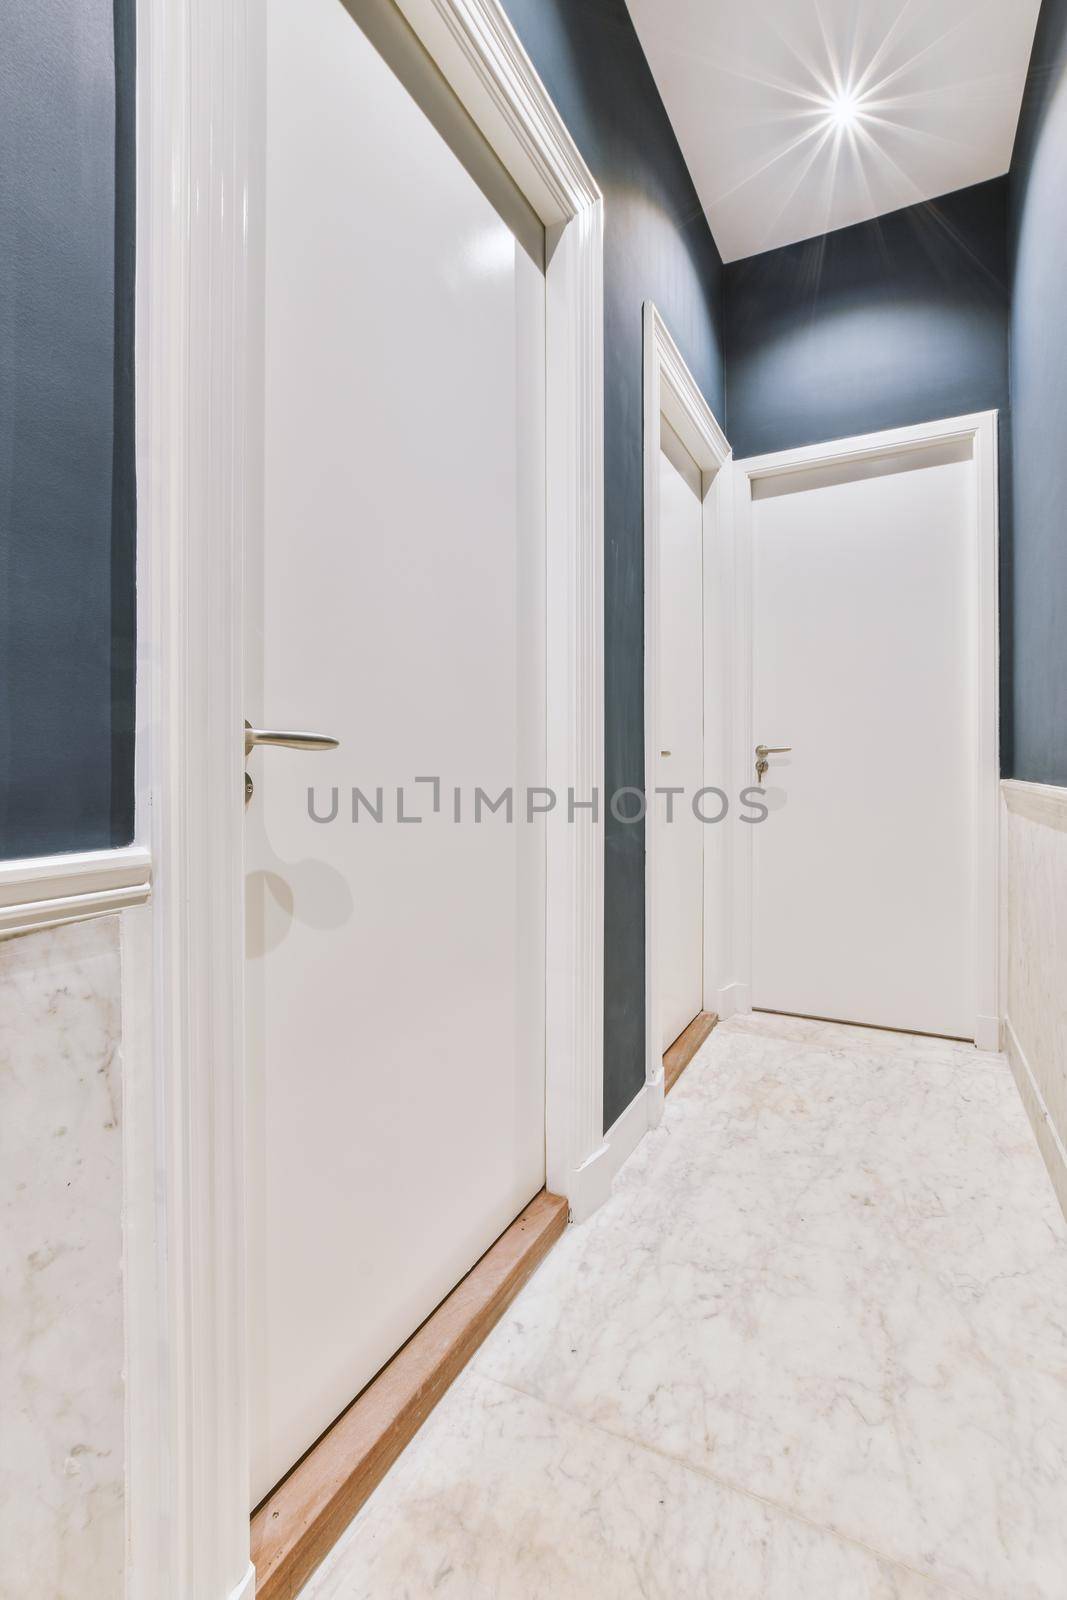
(814, 1346)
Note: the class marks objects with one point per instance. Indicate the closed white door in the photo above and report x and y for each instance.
(680, 853)
(395, 601)
(864, 623)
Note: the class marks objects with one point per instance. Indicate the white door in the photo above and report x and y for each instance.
(395, 601)
(681, 725)
(864, 616)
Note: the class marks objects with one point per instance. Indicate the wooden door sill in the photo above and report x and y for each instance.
(685, 1047)
(300, 1521)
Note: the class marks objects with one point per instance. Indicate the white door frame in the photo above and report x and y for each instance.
(981, 430)
(671, 392)
(198, 72)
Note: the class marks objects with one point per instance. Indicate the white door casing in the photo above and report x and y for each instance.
(672, 395)
(198, 71)
(897, 694)
(680, 758)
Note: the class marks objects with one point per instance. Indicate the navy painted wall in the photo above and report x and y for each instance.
(66, 461)
(1038, 238)
(657, 247)
(904, 319)
(900, 320)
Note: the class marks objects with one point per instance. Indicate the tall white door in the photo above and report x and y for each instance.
(864, 615)
(680, 765)
(395, 601)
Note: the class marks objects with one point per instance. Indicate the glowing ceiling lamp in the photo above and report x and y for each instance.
(843, 110)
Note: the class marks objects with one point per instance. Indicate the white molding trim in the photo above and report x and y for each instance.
(629, 1128)
(621, 1140)
(734, 1001)
(199, 67)
(41, 891)
(1038, 802)
(475, 47)
(980, 429)
(193, 70)
(479, 53)
(671, 392)
(574, 1108)
(1048, 1140)
(984, 430)
(246, 1589)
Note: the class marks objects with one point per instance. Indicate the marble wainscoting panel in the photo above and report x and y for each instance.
(1035, 894)
(501, 1497)
(835, 1277)
(61, 1305)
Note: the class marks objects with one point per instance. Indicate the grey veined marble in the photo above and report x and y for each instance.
(61, 1318)
(813, 1348)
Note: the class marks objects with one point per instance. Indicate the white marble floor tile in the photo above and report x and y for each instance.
(836, 1277)
(503, 1498)
(839, 1037)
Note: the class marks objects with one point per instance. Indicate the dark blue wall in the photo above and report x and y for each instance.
(66, 397)
(657, 247)
(1038, 238)
(900, 320)
(66, 451)
(904, 319)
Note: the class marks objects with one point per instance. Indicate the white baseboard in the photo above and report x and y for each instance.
(591, 1184)
(627, 1131)
(987, 1034)
(1049, 1142)
(246, 1589)
(656, 1096)
(735, 1000)
(595, 1178)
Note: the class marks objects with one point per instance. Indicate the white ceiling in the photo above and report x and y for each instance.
(937, 85)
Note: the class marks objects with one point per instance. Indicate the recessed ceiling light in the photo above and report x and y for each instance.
(844, 109)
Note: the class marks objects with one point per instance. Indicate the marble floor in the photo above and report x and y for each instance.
(813, 1348)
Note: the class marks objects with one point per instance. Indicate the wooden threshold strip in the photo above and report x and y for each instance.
(306, 1514)
(685, 1047)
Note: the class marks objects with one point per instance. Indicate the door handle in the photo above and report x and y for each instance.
(281, 741)
(765, 750)
(287, 741)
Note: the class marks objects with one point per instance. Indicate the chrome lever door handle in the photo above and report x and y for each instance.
(287, 741)
(765, 750)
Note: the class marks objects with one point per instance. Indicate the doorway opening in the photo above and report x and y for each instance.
(868, 583)
(686, 596)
